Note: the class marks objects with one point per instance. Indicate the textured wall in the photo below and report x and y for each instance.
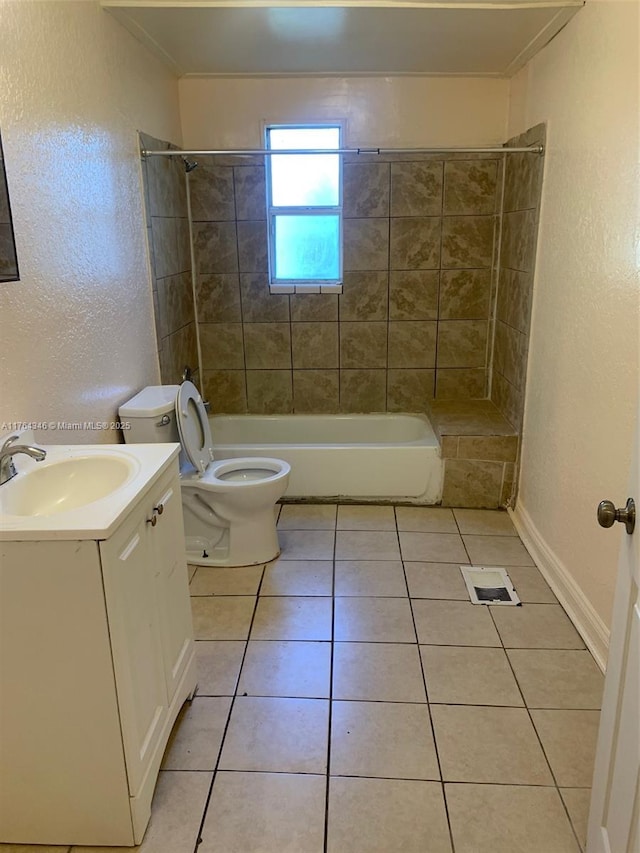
(583, 360)
(77, 329)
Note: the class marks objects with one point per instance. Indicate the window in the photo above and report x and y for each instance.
(304, 201)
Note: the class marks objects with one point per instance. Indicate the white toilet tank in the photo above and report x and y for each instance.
(151, 415)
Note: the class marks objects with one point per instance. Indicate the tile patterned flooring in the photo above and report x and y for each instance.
(352, 700)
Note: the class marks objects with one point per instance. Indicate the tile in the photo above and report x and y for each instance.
(269, 391)
(316, 391)
(181, 349)
(226, 390)
(165, 246)
(382, 739)
(307, 517)
(536, 626)
(510, 353)
(373, 620)
(363, 345)
(416, 188)
(364, 296)
(218, 663)
(250, 196)
(176, 810)
(412, 344)
(298, 577)
(365, 189)
(577, 801)
(224, 618)
(459, 383)
(312, 544)
(479, 744)
(449, 446)
(469, 676)
(453, 623)
(258, 305)
(277, 735)
(363, 390)
(175, 295)
(508, 399)
(518, 247)
(366, 244)
(569, 741)
(197, 734)
(313, 307)
(409, 389)
(267, 345)
(211, 193)
(467, 241)
(370, 577)
(470, 186)
(413, 294)
(252, 246)
(462, 343)
(266, 812)
(366, 545)
(503, 818)
(425, 519)
(415, 243)
(497, 550)
(292, 618)
(498, 448)
(464, 294)
(384, 815)
(484, 522)
(436, 580)
(530, 585)
(515, 292)
(221, 346)
(382, 672)
(213, 580)
(365, 517)
(282, 668)
(215, 247)
(432, 547)
(558, 678)
(314, 345)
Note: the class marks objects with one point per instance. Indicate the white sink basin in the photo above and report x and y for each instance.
(55, 487)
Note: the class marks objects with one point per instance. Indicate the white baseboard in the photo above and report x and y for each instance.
(579, 609)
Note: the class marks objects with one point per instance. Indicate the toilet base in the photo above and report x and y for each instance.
(243, 543)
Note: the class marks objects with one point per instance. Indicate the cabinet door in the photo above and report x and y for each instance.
(135, 642)
(172, 584)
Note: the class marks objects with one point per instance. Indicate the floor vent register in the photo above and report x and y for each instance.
(489, 585)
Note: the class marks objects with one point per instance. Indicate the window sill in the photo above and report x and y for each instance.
(305, 288)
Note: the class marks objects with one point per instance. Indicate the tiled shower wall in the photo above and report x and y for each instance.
(413, 320)
(170, 257)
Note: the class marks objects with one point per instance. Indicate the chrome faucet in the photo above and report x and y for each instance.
(7, 452)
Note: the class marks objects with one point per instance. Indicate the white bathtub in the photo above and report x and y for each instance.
(356, 456)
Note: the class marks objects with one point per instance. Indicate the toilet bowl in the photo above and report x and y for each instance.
(228, 504)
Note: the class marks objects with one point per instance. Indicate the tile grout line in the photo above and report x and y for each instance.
(333, 621)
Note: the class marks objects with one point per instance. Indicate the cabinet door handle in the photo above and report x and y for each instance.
(159, 509)
(153, 520)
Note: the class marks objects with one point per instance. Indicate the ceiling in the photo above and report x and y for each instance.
(352, 37)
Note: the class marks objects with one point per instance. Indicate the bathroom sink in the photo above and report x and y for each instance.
(55, 487)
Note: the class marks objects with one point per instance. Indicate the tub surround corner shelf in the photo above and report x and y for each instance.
(96, 659)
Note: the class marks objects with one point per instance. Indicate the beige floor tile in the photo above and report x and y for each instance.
(370, 577)
(277, 735)
(366, 545)
(382, 739)
(298, 577)
(354, 517)
(469, 676)
(577, 801)
(383, 672)
(373, 620)
(386, 816)
(283, 668)
(453, 623)
(307, 517)
(306, 544)
(436, 580)
(218, 663)
(558, 678)
(505, 819)
(224, 618)
(265, 813)
(426, 519)
(536, 626)
(176, 812)
(212, 580)
(486, 522)
(497, 551)
(433, 547)
(478, 744)
(530, 585)
(292, 618)
(569, 741)
(197, 734)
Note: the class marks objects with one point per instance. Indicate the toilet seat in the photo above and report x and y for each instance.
(193, 427)
(231, 475)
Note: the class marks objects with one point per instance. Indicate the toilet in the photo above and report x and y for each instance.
(228, 505)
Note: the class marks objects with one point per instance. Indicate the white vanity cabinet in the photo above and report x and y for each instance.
(96, 659)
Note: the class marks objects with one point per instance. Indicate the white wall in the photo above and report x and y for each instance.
(222, 112)
(583, 364)
(77, 331)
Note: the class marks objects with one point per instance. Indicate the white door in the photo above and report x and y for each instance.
(614, 818)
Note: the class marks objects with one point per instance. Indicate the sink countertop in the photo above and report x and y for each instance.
(95, 520)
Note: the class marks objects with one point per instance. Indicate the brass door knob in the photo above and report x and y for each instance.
(608, 514)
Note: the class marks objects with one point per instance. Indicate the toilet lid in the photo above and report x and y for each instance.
(193, 427)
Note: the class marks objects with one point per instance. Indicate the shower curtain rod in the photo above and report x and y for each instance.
(172, 152)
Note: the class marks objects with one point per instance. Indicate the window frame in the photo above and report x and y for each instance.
(292, 285)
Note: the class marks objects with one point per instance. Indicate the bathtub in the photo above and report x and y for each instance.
(385, 456)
